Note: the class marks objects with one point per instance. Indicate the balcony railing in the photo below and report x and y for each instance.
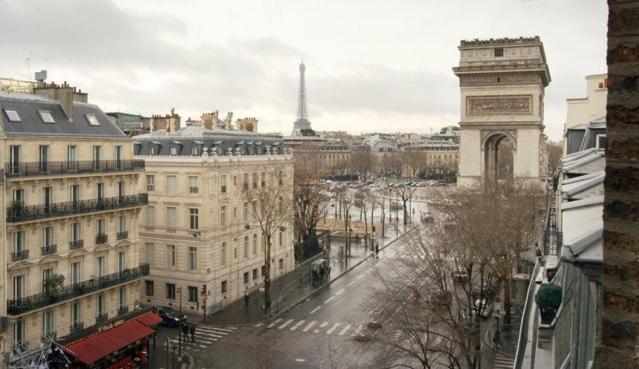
(101, 238)
(101, 318)
(53, 168)
(17, 213)
(194, 189)
(20, 255)
(76, 244)
(77, 326)
(49, 249)
(122, 235)
(23, 305)
(123, 310)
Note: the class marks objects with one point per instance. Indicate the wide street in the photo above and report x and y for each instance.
(318, 333)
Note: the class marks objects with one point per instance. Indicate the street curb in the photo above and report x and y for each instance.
(335, 279)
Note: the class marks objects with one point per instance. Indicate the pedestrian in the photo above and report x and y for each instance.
(185, 331)
(246, 299)
(497, 340)
(192, 331)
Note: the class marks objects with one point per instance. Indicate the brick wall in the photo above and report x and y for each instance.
(619, 346)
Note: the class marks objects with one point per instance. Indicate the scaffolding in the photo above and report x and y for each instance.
(49, 354)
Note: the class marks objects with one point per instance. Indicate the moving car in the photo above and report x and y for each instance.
(169, 317)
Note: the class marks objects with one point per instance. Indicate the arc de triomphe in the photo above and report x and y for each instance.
(502, 85)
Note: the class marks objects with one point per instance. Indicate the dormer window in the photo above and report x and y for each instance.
(499, 52)
(173, 150)
(12, 115)
(46, 116)
(93, 121)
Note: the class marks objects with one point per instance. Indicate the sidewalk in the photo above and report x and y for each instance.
(290, 288)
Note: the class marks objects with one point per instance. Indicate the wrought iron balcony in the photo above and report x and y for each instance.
(23, 305)
(20, 255)
(101, 238)
(76, 244)
(49, 249)
(122, 235)
(76, 326)
(101, 318)
(123, 310)
(53, 168)
(19, 213)
(194, 189)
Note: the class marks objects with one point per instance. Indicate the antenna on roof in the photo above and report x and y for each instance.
(29, 57)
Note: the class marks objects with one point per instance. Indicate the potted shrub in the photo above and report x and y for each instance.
(16, 208)
(548, 299)
(53, 286)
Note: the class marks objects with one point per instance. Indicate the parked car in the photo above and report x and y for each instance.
(169, 317)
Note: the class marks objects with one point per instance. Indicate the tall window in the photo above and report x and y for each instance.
(148, 288)
(171, 184)
(254, 243)
(150, 183)
(192, 294)
(47, 237)
(223, 254)
(18, 287)
(118, 157)
(122, 298)
(255, 180)
(170, 291)
(223, 216)
(74, 194)
(170, 256)
(193, 185)
(121, 224)
(245, 183)
(19, 332)
(44, 158)
(100, 226)
(72, 157)
(18, 241)
(171, 218)
(75, 314)
(101, 305)
(148, 252)
(47, 323)
(96, 156)
(121, 261)
(100, 266)
(194, 218)
(75, 272)
(224, 287)
(100, 191)
(192, 258)
(246, 246)
(76, 231)
(281, 238)
(46, 274)
(121, 189)
(149, 216)
(14, 159)
(245, 212)
(47, 197)
(223, 184)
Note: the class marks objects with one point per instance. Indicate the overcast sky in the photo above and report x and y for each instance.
(371, 65)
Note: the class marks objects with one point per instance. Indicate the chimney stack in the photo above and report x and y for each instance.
(64, 93)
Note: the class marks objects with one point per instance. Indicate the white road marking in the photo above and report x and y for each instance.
(297, 325)
(329, 299)
(314, 310)
(343, 331)
(333, 328)
(212, 335)
(229, 329)
(309, 326)
(285, 324)
(351, 283)
(258, 324)
(357, 331)
(316, 331)
(339, 292)
(359, 276)
(323, 325)
(274, 323)
(300, 360)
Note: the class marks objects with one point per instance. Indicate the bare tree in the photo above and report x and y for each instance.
(361, 162)
(272, 209)
(405, 193)
(413, 162)
(311, 203)
(555, 151)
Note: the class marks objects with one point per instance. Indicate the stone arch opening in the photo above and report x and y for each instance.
(499, 154)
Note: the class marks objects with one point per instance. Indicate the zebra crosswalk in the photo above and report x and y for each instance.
(205, 336)
(314, 326)
(503, 362)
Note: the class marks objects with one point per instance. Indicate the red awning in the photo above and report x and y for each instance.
(149, 319)
(93, 348)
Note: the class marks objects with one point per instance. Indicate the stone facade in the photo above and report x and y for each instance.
(198, 234)
(502, 93)
(620, 322)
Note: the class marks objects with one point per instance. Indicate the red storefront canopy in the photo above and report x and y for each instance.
(93, 348)
(149, 319)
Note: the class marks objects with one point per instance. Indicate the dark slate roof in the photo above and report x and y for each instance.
(220, 140)
(31, 124)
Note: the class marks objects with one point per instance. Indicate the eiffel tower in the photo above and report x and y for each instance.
(302, 125)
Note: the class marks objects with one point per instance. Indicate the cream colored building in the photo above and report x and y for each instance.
(583, 110)
(199, 235)
(70, 232)
(502, 85)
